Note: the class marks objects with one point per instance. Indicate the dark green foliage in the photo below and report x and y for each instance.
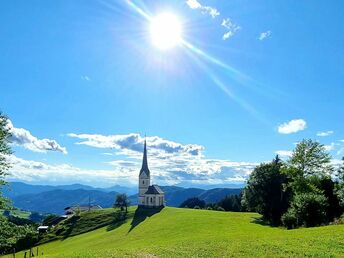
(329, 189)
(87, 221)
(20, 221)
(230, 203)
(50, 219)
(302, 190)
(14, 236)
(192, 202)
(340, 185)
(36, 217)
(265, 191)
(307, 209)
(122, 202)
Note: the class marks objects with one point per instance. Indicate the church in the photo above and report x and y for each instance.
(150, 196)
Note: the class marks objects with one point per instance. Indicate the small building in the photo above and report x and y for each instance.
(42, 229)
(150, 196)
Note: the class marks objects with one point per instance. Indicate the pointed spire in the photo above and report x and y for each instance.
(144, 167)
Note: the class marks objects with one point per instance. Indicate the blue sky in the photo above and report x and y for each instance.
(82, 83)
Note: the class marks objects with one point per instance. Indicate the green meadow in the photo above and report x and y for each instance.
(175, 232)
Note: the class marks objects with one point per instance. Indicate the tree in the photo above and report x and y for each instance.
(311, 159)
(230, 203)
(313, 200)
(4, 151)
(122, 202)
(307, 209)
(265, 191)
(192, 203)
(340, 186)
(35, 217)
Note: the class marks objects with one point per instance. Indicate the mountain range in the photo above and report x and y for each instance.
(53, 199)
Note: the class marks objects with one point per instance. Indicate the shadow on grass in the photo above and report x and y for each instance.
(263, 222)
(141, 214)
(119, 219)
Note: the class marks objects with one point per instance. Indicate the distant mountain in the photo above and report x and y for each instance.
(56, 200)
(175, 195)
(18, 188)
(53, 199)
(208, 187)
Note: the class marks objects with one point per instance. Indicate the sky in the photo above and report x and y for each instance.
(83, 82)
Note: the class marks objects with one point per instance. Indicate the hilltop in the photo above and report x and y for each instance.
(185, 233)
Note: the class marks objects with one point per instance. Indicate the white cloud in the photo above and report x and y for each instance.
(227, 35)
(22, 137)
(194, 4)
(284, 153)
(264, 35)
(34, 171)
(232, 28)
(85, 78)
(134, 143)
(292, 126)
(170, 162)
(324, 134)
(330, 147)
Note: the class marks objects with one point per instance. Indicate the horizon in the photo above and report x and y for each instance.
(218, 87)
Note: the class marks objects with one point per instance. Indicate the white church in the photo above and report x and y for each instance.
(150, 196)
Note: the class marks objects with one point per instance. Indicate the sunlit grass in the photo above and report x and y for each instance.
(199, 233)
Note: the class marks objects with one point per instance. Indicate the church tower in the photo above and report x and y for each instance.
(144, 177)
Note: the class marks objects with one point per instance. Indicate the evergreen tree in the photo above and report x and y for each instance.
(265, 193)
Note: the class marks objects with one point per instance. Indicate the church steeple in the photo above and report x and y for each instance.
(144, 167)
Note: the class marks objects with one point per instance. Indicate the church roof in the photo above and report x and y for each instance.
(154, 189)
(144, 168)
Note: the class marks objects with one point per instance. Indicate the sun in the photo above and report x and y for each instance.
(165, 31)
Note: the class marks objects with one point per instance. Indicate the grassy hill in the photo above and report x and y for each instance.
(189, 233)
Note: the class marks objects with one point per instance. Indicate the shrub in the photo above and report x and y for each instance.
(289, 219)
(197, 207)
(220, 209)
(308, 209)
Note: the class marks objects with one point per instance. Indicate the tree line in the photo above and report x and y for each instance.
(306, 190)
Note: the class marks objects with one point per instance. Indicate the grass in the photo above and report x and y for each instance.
(192, 233)
(18, 213)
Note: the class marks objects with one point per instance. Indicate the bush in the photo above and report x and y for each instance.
(307, 209)
(197, 207)
(220, 209)
(289, 219)
(340, 194)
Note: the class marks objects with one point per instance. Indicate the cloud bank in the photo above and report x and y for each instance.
(170, 163)
(22, 137)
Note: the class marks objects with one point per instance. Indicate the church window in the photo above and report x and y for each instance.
(143, 182)
(151, 199)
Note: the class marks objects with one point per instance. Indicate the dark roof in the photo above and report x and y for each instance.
(144, 167)
(154, 189)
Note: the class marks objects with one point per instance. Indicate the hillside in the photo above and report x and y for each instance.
(186, 232)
